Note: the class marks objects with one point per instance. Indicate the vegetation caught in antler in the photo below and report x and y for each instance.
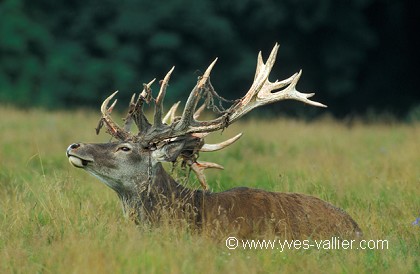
(187, 128)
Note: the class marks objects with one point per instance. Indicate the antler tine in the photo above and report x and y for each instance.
(219, 146)
(147, 91)
(200, 135)
(111, 108)
(112, 128)
(170, 116)
(198, 112)
(261, 74)
(206, 74)
(160, 98)
(188, 115)
(260, 63)
(137, 112)
(199, 167)
(129, 118)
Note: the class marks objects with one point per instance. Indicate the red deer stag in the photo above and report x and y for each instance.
(132, 165)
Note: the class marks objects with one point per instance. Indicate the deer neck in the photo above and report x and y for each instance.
(159, 191)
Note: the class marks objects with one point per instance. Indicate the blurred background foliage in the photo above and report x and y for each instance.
(360, 56)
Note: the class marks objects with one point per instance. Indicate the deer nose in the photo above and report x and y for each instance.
(74, 146)
(71, 147)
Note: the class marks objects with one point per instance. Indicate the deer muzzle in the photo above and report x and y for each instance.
(75, 158)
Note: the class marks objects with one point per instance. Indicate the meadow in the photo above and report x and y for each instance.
(55, 218)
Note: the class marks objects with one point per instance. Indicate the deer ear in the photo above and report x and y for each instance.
(168, 152)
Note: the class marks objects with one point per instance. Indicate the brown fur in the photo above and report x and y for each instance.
(148, 193)
(247, 212)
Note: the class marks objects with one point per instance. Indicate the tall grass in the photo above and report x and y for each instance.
(57, 219)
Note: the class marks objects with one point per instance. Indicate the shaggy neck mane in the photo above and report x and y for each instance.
(163, 194)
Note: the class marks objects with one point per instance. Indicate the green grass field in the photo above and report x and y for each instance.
(57, 219)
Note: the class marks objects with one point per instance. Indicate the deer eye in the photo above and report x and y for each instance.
(124, 148)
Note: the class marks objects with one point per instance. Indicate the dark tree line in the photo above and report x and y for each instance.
(359, 56)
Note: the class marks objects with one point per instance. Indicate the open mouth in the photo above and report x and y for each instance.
(78, 162)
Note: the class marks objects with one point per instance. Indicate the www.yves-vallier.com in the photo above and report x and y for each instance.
(334, 243)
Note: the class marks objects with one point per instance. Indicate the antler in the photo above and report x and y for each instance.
(112, 128)
(199, 167)
(189, 132)
(262, 92)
